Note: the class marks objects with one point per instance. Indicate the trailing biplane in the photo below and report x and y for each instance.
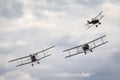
(85, 47)
(95, 21)
(32, 58)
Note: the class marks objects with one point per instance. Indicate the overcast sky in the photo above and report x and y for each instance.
(28, 26)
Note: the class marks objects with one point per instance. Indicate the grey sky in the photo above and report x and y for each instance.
(10, 9)
(32, 25)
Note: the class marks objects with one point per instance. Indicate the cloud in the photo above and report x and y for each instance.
(11, 9)
(110, 67)
(8, 44)
(16, 75)
(90, 3)
(69, 75)
(33, 25)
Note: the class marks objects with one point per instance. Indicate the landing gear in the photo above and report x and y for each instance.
(99, 22)
(91, 50)
(85, 52)
(38, 62)
(85, 48)
(96, 25)
(35, 63)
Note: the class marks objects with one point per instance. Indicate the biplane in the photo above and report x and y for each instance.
(95, 21)
(32, 58)
(86, 47)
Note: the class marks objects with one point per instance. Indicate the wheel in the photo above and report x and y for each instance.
(85, 52)
(96, 25)
(38, 62)
(91, 50)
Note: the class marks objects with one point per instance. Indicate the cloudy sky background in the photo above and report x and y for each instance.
(32, 25)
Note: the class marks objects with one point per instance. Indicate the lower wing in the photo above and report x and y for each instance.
(99, 45)
(90, 26)
(32, 62)
(73, 54)
(23, 64)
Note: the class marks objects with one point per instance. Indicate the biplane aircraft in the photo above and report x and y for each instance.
(95, 21)
(32, 58)
(85, 47)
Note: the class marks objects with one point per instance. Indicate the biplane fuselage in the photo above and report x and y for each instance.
(86, 48)
(94, 21)
(33, 58)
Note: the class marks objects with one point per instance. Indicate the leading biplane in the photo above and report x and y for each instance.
(95, 21)
(86, 47)
(32, 58)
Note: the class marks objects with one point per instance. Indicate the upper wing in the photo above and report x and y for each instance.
(96, 39)
(97, 42)
(82, 45)
(101, 17)
(98, 45)
(76, 49)
(29, 56)
(72, 48)
(31, 61)
(24, 64)
(98, 15)
(27, 59)
(18, 58)
(93, 44)
(43, 57)
(44, 50)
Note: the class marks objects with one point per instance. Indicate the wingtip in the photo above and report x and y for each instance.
(9, 61)
(105, 35)
(66, 56)
(64, 51)
(52, 46)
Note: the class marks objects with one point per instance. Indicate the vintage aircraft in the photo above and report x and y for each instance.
(86, 47)
(32, 58)
(95, 21)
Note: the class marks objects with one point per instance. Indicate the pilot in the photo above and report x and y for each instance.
(33, 58)
(86, 47)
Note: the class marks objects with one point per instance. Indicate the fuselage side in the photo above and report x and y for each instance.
(94, 22)
(33, 58)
